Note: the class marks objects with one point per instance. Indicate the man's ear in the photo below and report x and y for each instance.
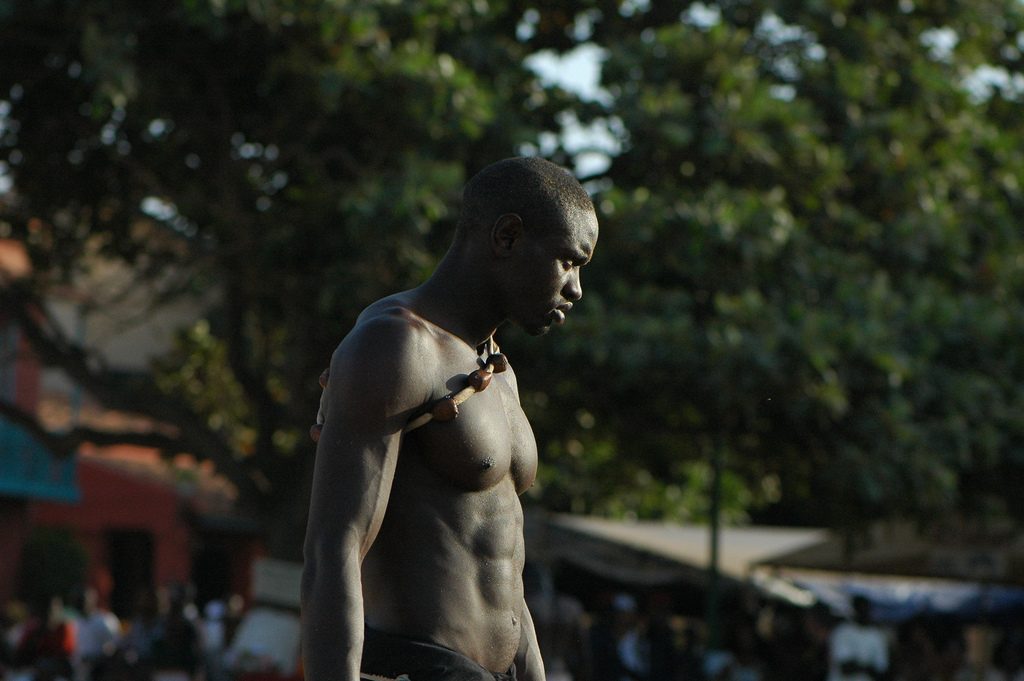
(507, 230)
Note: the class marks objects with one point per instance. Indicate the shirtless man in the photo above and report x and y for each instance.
(414, 548)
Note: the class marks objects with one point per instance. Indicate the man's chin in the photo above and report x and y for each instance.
(536, 329)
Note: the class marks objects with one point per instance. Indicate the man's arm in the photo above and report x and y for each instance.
(376, 381)
(529, 663)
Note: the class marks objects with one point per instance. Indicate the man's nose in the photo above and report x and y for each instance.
(573, 290)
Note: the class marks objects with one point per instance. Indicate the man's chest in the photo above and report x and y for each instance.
(489, 440)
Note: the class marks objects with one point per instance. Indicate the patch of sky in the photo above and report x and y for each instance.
(6, 124)
(158, 127)
(815, 52)
(602, 135)
(6, 181)
(527, 26)
(783, 92)
(578, 71)
(167, 213)
(776, 31)
(785, 67)
(590, 164)
(547, 143)
(630, 7)
(940, 43)
(277, 182)
(583, 25)
(701, 16)
(771, 29)
(592, 146)
(108, 134)
(984, 81)
(243, 148)
(157, 208)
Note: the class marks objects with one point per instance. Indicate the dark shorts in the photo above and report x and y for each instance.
(391, 656)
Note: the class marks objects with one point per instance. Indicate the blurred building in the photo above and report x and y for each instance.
(28, 472)
(143, 521)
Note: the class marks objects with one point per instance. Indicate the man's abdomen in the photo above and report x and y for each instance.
(446, 567)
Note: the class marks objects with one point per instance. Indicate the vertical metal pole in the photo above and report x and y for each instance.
(714, 522)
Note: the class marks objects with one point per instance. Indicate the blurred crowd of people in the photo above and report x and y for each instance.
(770, 641)
(166, 638)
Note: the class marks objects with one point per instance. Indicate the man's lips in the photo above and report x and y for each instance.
(558, 314)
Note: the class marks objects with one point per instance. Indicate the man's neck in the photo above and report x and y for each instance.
(459, 300)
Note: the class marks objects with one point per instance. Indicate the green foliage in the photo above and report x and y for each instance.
(289, 161)
(810, 257)
(197, 370)
(810, 249)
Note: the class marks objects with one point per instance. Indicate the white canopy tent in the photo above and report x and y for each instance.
(652, 553)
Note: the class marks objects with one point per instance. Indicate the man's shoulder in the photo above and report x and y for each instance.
(394, 305)
(387, 363)
(389, 324)
(390, 337)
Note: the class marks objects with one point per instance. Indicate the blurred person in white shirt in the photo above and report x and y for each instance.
(858, 649)
(98, 633)
(214, 639)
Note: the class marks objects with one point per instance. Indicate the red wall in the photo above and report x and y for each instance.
(116, 500)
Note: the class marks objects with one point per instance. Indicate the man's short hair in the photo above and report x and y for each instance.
(542, 193)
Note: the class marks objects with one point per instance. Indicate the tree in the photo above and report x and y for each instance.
(295, 159)
(809, 261)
